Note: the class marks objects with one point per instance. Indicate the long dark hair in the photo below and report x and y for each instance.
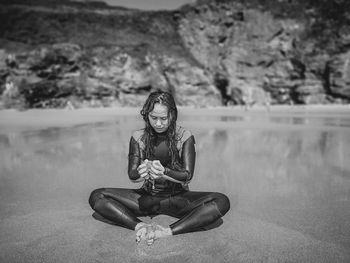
(149, 136)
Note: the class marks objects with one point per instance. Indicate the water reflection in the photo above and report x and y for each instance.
(258, 118)
(298, 179)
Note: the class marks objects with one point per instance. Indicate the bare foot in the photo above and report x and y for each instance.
(141, 231)
(156, 232)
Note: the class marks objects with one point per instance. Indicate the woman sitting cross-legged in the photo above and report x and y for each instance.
(162, 156)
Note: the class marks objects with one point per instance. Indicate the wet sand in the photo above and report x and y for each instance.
(39, 119)
(56, 224)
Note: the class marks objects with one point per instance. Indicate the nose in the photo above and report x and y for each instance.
(158, 123)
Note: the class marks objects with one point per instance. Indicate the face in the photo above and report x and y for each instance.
(158, 118)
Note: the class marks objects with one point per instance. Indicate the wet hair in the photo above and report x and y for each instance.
(149, 136)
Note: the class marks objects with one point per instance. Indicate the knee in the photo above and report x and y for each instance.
(222, 202)
(94, 196)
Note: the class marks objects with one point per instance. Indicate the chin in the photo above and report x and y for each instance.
(160, 131)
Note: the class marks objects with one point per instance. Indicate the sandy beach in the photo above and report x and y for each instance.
(48, 174)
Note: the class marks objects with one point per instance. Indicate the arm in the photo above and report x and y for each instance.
(134, 161)
(188, 158)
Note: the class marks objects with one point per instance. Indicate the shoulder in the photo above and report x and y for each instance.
(137, 135)
(182, 134)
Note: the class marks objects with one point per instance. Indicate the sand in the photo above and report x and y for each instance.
(52, 230)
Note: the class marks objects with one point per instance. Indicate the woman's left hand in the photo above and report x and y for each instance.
(157, 169)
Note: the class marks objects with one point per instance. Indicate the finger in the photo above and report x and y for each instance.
(144, 163)
(154, 176)
(150, 238)
(157, 164)
(144, 175)
(138, 237)
(141, 234)
(142, 170)
(142, 166)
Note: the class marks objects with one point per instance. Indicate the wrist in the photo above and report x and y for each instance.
(166, 170)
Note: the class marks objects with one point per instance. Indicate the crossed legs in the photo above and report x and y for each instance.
(195, 210)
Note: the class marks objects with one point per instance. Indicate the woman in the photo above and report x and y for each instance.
(162, 155)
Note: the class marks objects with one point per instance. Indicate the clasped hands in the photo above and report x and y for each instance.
(150, 170)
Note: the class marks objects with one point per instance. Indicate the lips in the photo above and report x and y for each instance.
(159, 129)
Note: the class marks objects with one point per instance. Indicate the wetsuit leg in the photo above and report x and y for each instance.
(117, 205)
(197, 210)
(123, 206)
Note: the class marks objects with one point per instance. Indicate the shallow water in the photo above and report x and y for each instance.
(290, 171)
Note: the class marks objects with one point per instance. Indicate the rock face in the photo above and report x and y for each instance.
(261, 55)
(207, 53)
(338, 75)
(99, 77)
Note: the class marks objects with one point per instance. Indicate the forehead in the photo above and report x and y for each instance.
(159, 110)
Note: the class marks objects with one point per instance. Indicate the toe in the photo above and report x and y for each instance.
(150, 238)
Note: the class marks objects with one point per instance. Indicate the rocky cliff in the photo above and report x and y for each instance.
(212, 52)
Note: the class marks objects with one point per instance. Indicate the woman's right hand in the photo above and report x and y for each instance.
(156, 169)
(142, 169)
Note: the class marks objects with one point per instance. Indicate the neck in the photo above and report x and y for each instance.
(161, 134)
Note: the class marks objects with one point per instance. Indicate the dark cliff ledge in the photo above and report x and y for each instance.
(208, 53)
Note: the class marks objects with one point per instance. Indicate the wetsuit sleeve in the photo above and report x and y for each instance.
(188, 158)
(134, 159)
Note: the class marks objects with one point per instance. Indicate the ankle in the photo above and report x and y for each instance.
(164, 231)
(140, 225)
(168, 231)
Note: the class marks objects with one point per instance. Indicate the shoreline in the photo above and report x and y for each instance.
(12, 119)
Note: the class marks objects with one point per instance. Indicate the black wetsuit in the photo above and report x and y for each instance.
(195, 210)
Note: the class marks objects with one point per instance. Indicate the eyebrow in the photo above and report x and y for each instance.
(161, 116)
